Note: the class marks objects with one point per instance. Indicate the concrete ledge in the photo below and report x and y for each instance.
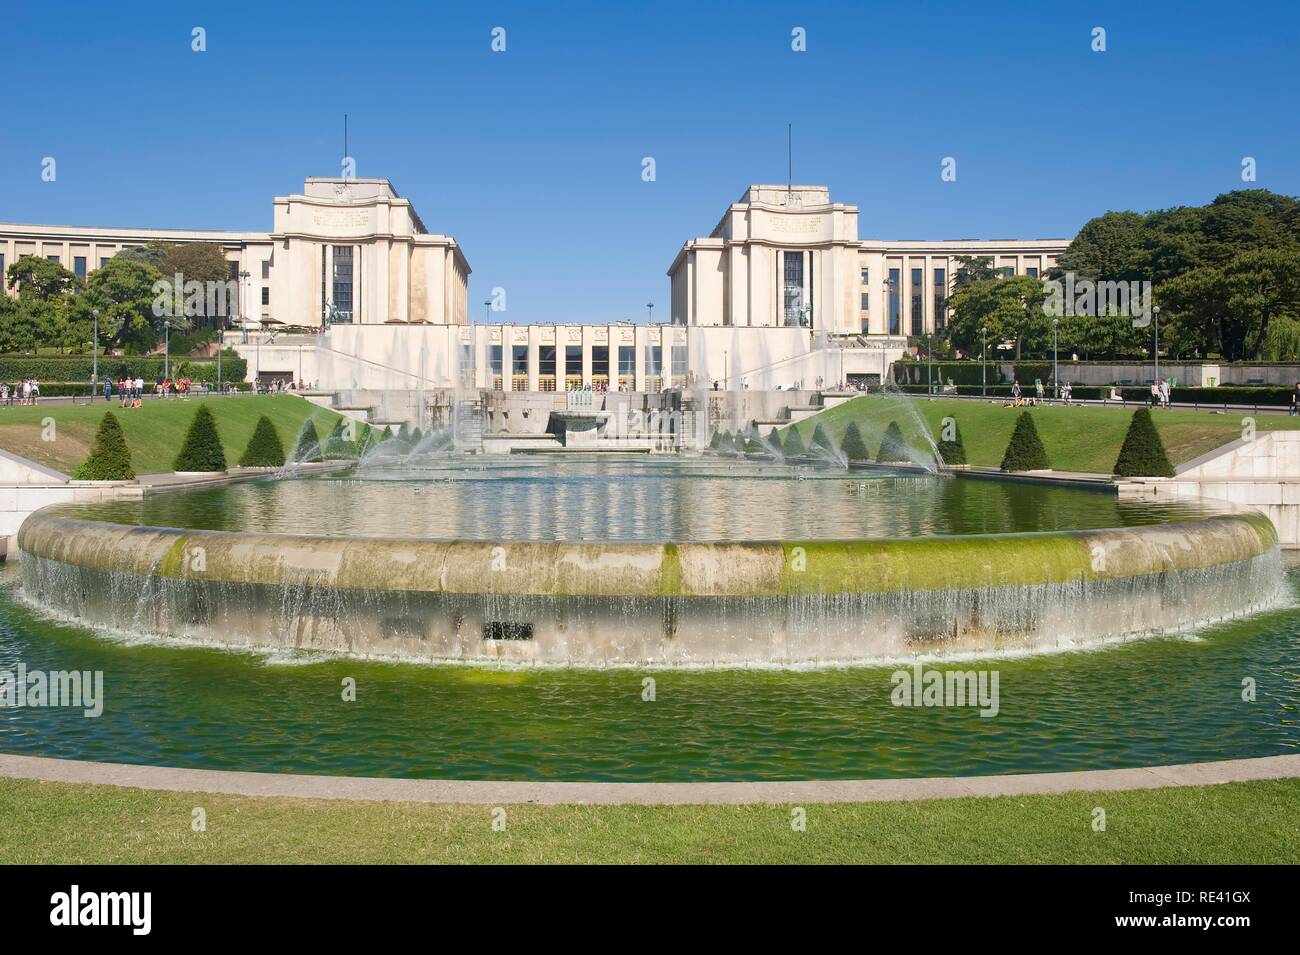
(374, 789)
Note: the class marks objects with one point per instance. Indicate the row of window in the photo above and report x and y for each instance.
(625, 357)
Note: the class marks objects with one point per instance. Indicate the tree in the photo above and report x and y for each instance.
(201, 450)
(308, 446)
(264, 447)
(893, 448)
(954, 451)
(110, 458)
(199, 268)
(1011, 309)
(715, 442)
(852, 445)
(1025, 450)
(973, 268)
(821, 439)
(34, 277)
(1229, 309)
(124, 292)
(1143, 453)
(793, 446)
(1107, 248)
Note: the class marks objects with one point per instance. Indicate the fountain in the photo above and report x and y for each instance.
(803, 577)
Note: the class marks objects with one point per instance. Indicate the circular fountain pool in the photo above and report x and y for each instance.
(646, 561)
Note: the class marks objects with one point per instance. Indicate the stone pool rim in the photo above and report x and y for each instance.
(508, 792)
(641, 569)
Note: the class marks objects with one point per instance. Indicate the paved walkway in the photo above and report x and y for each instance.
(645, 794)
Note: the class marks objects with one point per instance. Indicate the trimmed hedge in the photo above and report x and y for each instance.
(794, 446)
(854, 448)
(893, 449)
(308, 447)
(78, 368)
(1143, 453)
(954, 451)
(201, 450)
(264, 448)
(821, 439)
(1025, 451)
(110, 458)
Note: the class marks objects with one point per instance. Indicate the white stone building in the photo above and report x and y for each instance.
(353, 292)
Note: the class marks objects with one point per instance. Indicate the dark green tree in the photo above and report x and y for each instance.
(1143, 453)
(821, 439)
(264, 447)
(308, 447)
(110, 458)
(852, 445)
(952, 451)
(794, 446)
(201, 450)
(892, 446)
(1025, 450)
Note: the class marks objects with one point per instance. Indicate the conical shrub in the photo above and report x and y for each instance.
(774, 439)
(201, 450)
(110, 458)
(953, 452)
(1025, 450)
(308, 447)
(793, 447)
(893, 448)
(1143, 453)
(753, 443)
(822, 440)
(264, 448)
(715, 442)
(852, 446)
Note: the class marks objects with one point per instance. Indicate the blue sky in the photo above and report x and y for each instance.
(531, 158)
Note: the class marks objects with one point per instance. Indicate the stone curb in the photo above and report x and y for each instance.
(373, 789)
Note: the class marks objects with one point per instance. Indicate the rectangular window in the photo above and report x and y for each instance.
(266, 269)
(53, 258)
(918, 309)
(494, 359)
(1032, 272)
(2, 266)
(79, 266)
(627, 361)
(519, 359)
(234, 270)
(793, 288)
(103, 261)
(573, 359)
(680, 361)
(654, 362)
(599, 363)
(866, 276)
(1008, 271)
(343, 282)
(895, 301)
(866, 301)
(546, 360)
(266, 295)
(940, 298)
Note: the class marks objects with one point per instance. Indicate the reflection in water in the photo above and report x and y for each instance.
(635, 498)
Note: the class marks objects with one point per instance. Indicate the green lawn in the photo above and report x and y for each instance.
(1077, 438)
(153, 432)
(1257, 822)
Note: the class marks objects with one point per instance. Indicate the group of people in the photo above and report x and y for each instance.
(1019, 399)
(277, 385)
(131, 390)
(1160, 393)
(25, 392)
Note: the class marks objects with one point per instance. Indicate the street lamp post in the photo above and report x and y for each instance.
(984, 348)
(487, 312)
(1056, 383)
(1155, 349)
(929, 363)
(94, 351)
(650, 312)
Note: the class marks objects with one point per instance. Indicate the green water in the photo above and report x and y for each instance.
(634, 498)
(1141, 702)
